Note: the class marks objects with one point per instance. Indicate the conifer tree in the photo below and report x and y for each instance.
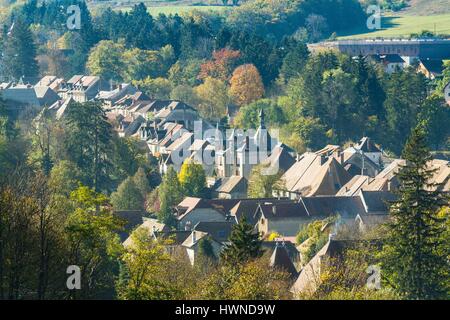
(244, 244)
(19, 55)
(413, 263)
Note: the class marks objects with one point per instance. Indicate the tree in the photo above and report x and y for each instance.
(436, 114)
(244, 244)
(19, 53)
(246, 84)
(170, 194)
(294, 61)
(93, 242)
(192, 179)
(221, 66)
(412, 261)
(311, 132)
(248, 116)
(141, 181)
(261, 185)
(105, 60)
(144, 264)
(405, 93)
(87, 142)
(158, 88)
(213, 99)
(128, 196)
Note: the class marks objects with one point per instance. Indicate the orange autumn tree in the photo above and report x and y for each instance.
(220, 66)
(246, 84)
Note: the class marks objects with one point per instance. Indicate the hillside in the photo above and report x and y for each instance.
(427, 7)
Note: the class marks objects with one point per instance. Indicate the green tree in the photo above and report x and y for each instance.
(105, 60)
(261, 184)
(413, 263)
(192, 179)
(244, 244)
(128, 196)
(436, 114)
(19, 52)
(93, 243)
(170, 194)
(213, 98)
(87, 142)
(248, 116)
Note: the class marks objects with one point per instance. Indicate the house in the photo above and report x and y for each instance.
(432, 69)
(280, 260)
(191, 244)
(284, 218)
(192, 210)
(390, 62)
(131, 218)
(376, 205)
(233, 187)
(220, 231)
(312, 175)
(46, 95)
(246, 208)
(83, 88)
(240, 150)
(386, 180)
(110, 97)
(332, 252)
(19, 96)
(152, 226)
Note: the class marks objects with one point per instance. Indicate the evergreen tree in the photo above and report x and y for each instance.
(413, 262)
(19, 54)
(88, 142)
(170, 194)
(244, 244)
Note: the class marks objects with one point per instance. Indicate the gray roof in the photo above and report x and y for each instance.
(377, 201)
(332, 205)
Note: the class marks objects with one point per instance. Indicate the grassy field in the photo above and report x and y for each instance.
(404, 25)
(167, 10)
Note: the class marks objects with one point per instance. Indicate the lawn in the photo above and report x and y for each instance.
(403, 25)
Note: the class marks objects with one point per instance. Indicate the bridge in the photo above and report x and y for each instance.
(422, 48)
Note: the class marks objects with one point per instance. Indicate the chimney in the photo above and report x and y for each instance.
(194, 236)
(274, 209)
(331, 236)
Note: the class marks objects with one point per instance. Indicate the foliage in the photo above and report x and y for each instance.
(246, 84)
(170, 194)
(262, 181)
(192, 179)
(244, 244)
(128, 196)
(414, 263)
(213, 98)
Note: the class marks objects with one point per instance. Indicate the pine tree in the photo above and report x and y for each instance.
(413, 262)
(244, 244)
(170, 194)
(19, 55)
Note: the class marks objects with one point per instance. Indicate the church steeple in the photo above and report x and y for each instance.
(262, 123)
